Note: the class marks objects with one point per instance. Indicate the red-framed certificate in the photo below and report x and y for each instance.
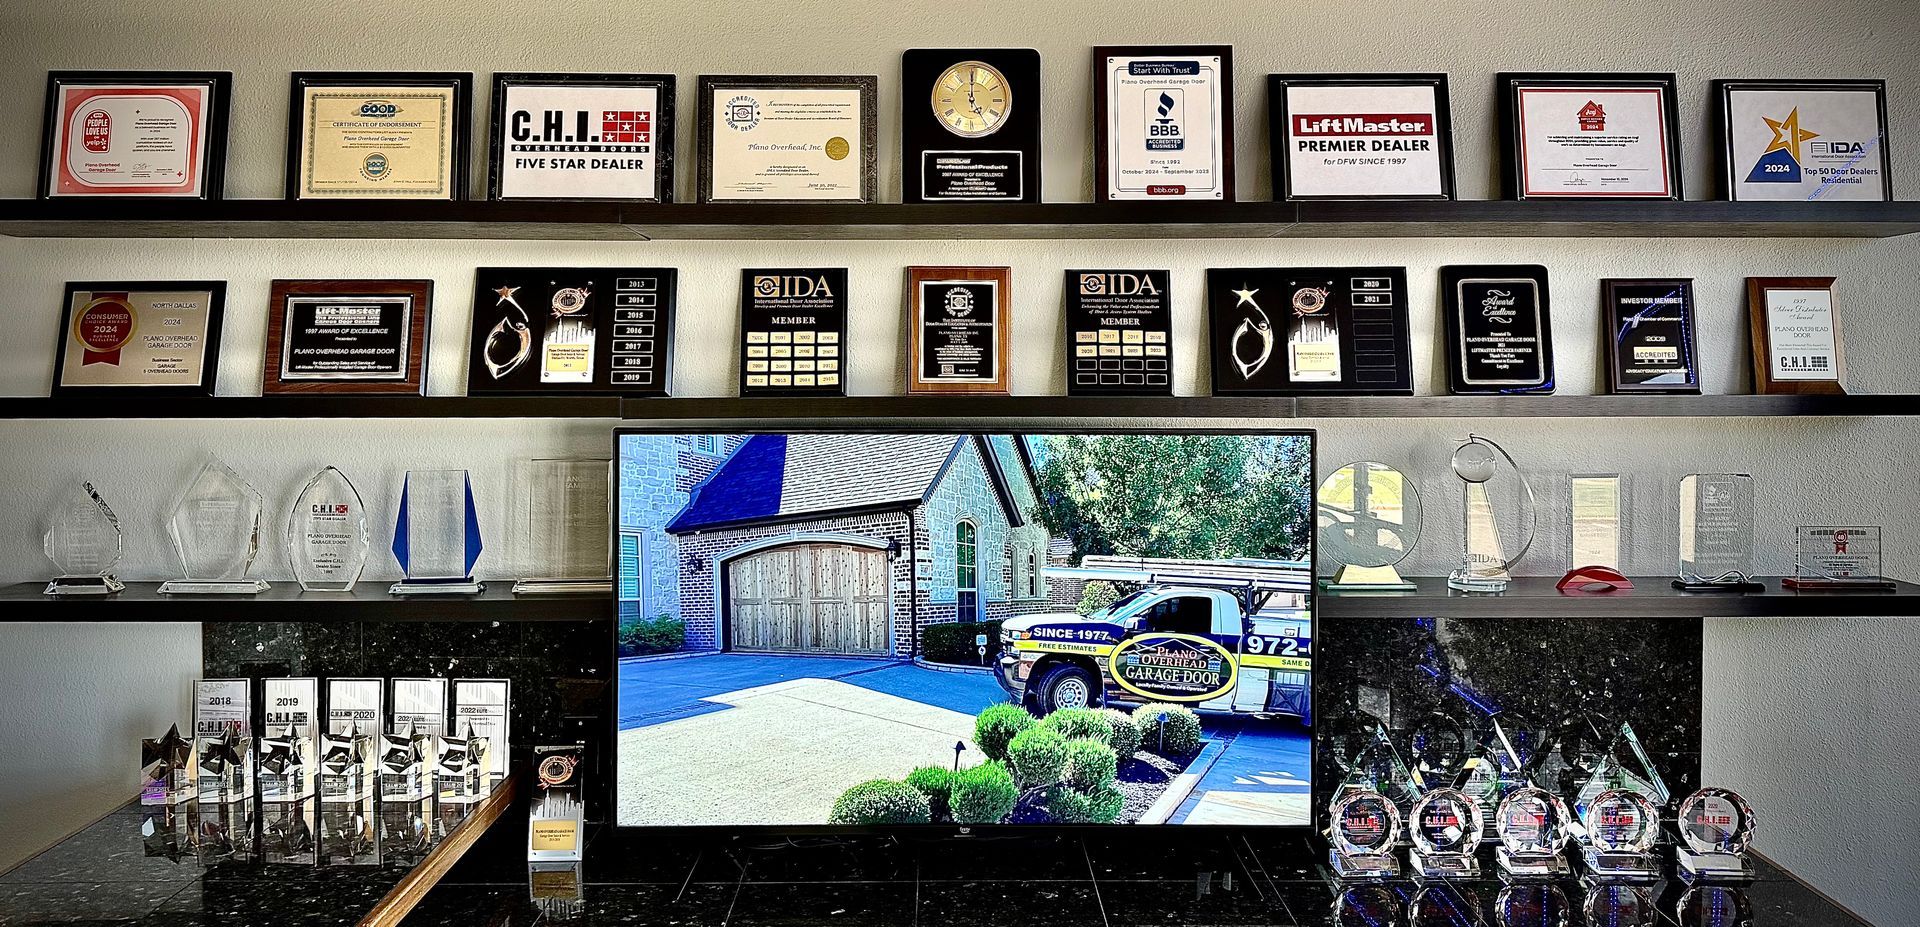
(1590, 136)
(135, 134)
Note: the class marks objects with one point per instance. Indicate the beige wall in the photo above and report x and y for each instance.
(1784, 712)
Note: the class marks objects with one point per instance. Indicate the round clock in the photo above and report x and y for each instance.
(971, 99)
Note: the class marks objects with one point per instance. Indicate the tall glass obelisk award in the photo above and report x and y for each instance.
(436, 537)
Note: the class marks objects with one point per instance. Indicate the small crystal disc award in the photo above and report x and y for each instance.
(1533, 830)
(1618, 904)
(1365, 827)
(436, 537)
(83, 540)
(1716, 533)
(1621, 829)
(562, 526)
(1446, 829)
(215, 529)
(1477, 462)
(1838, 558)
(327, 540)
(1716, 827)
(1369, 520)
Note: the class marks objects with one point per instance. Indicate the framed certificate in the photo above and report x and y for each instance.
(1804, 139)
(1163, 122)
(1302, 331)
(582, 137)
(1499, 328)
(135, 133)
(347, 336)
(1650, 336)
(144, 339)
(1796, 336)
(970, 125)
(957, 326)
(1361, 136)
(378, 135)
(558, 330)
(795, 139)
(1590, 136)
(793, 331)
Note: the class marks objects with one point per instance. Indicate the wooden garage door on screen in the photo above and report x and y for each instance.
(809, 598)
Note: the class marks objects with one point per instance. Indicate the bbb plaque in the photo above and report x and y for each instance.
(547, 330)
(1804, 140)
(1119, 333)
(1588, 136)
(795, 139)
(378, 135)
(1650, 336)
(1796, 335)
(1361, 136)
(1499, 331)
(970, 125)
(957, 326)
(147, 339)
(1290, 331)
(1163, 122)
(135, 133)
(793, 331)
(348, 336)
(582, 137)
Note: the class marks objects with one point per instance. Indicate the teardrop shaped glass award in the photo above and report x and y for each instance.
(1497, 507)
(215, 528)
(327, 540)
(83, 540)
(436, 536)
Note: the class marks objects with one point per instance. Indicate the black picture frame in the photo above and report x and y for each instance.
(210, 344)
(1724, 88)
(1508, 85)
(789, 283)
(869, 88)
(632, 309)
(663, 130)
(922, 133)
(1459, 381)
(1280, 117)
(1101, 105)
(1610, 320)
(1368, 307)
(213, 176)
(460, 81)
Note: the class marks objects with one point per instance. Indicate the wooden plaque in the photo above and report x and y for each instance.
(1814, 363)
(347, 336)
(958, 321)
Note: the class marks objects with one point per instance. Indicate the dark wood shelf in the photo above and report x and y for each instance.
(286, 602)
(1650, 597)
(641, 221)
(314, 406)
(1726, 406)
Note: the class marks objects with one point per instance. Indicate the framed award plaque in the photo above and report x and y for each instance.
(957, 324)
(794, 139)
(970, 125)
(1649, 336)
(547, 330)
(793, 331)
(1590, 136)
(1498, 327)
(1163, 122)
(582, 137)
(378, 135)
(1295, 331)
(135, 134)
(1804, 139)
(1361, 136)
(347, 336)
(145, 339)
(1119, 333)
(1796, 336)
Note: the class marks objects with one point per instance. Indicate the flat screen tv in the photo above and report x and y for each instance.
(837, 630)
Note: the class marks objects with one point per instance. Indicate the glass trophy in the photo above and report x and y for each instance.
(1707, 905)
(1369, 520)
(1596, 533)
(327, 541)
(215, 529)
(83, 541)
(1716, 827)
(1619, 904)
(166, 769)
(1439, 747)
(1620, 829)
(1446, 828)
(1533, 830)
(436, 537)
(1366, 827)
(1839, 558)
(1443, 904)
(1716, 533)
(563, 526)
(1491, 494)
(1532, 904)
(1365, 906)
(1624, 764)
(1377, 767)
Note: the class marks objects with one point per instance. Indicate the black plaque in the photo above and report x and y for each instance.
(589, 330)
(1499, 328)
(1291, 331)
(793, 331)
(347, 337)
(970, 125)
(1119, 333)
(1650, 336)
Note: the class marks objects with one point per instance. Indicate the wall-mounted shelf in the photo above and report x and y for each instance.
(639, 221)
(1650, 597)
(313, 406)
(286, 602)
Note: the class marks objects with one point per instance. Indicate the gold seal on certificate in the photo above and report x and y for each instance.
(1163, 122)
(799, 139)
(1590, 136)
(371, 135)
(135, 133)
(146, 339)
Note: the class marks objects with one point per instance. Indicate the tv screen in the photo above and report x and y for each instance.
(850, 630)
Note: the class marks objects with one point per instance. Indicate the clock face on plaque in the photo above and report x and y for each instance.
(971, 99)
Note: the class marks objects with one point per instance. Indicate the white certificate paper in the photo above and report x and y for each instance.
(1593, 141)
(1800, 334)
(580, 142)
(130, 141)
(786, 144)
(1806, 144)
(1354, 141)
(1164, 128)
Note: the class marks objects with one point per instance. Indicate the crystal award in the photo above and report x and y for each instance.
(1846, 558)
(563, 525)
(1716, 827)
(1620, 828)
(1366, 826)
(1716, 533)
(83, 540)
(215, 528)
(1623, 765)
(166, 769)
(1533, 830)
(1618, 904)
(1446, 828)
(1369, 519)
(327, 540)
(1490, 495)
(1377, 767)
(436, 537)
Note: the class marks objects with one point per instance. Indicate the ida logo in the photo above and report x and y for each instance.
(1117, 284)
(771, 286)
(1780, 163)
(96, 131)
(379, 109)
(1593, 117)
(375, 167)
(1166, 110)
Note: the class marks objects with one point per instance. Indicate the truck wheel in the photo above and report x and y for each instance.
(1066, 686)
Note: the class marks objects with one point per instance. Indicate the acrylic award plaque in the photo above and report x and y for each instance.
(1365, 829)
(1498, 509)
(1596, 532)
(1649, 336)
(1533, 830)
(83, 541)
(215, 529)
(1837, 558)
(1716, 828)
(1499, 329)
(562, 523)
(970, 125)
(1119, 333)
(1294, 331)
(1446, 828)
(958, 323)
(1716, 533)
(541, 331)
(327, 542)
(436, 535)
(1369, 519)
(793, 331)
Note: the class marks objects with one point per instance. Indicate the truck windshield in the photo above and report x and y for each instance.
(1126, 606)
